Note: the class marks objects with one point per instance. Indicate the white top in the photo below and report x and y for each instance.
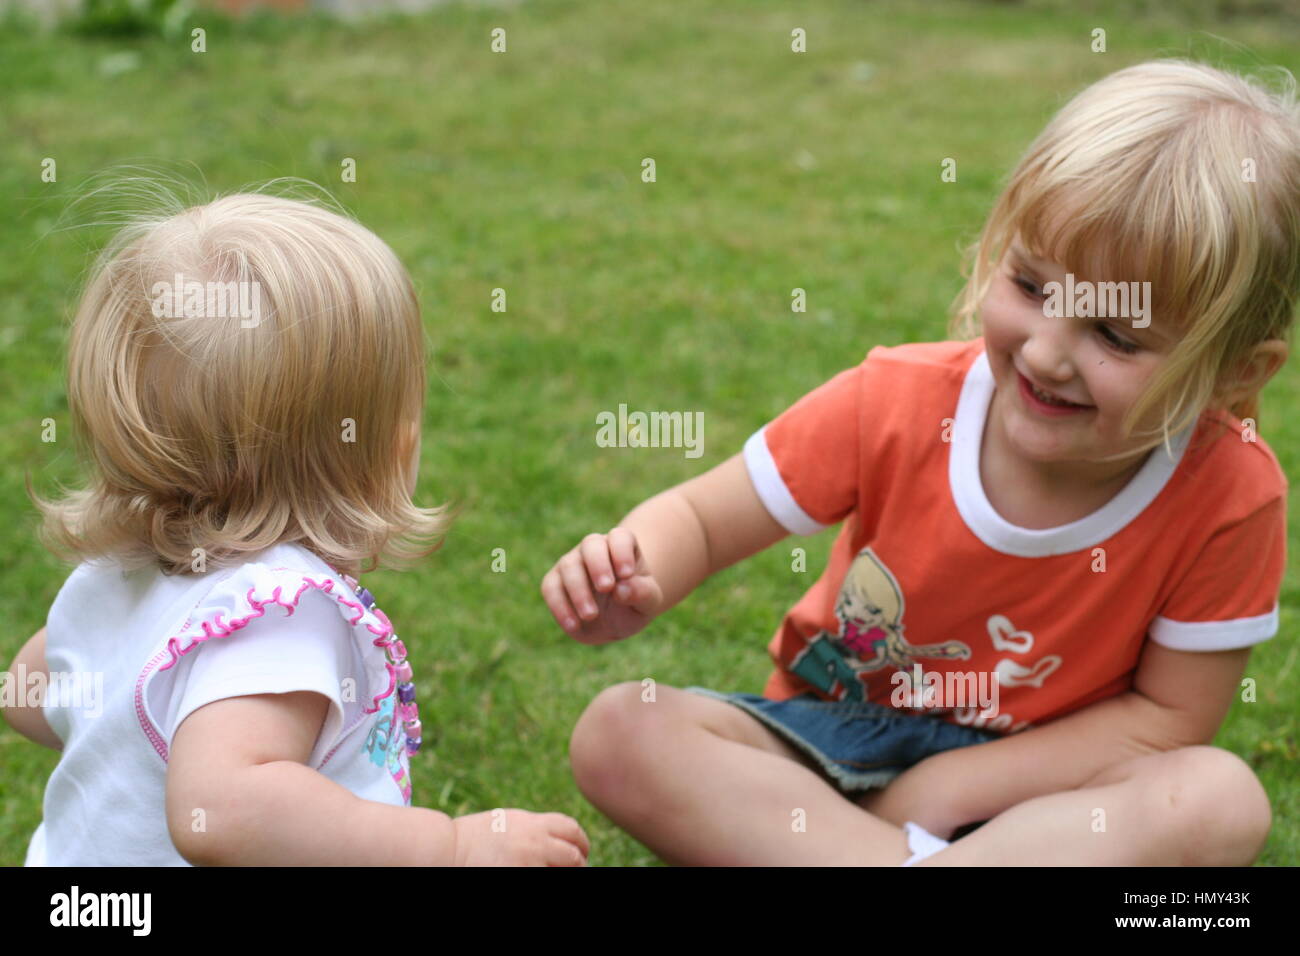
(132, 654)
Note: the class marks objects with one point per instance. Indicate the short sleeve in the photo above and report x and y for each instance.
(804, 463)
(307, 647)
(270, 627)
(1229, 596)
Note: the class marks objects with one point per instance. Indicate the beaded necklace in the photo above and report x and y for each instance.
(395, 650)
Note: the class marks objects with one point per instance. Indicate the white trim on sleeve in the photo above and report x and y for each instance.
(771, 487)
(1214, 635)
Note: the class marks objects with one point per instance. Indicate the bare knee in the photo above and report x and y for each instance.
(611, 738)
(1218, 809)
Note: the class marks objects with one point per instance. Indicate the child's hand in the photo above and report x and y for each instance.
(519, 838)
(602, 590)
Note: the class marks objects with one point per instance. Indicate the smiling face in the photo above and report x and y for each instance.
(1101, 365)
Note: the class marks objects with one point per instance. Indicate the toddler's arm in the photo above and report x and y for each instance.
(241, 761)
(610, 586)
(25, 714)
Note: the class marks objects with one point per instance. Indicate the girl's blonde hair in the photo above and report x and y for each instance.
(1179, 174)
(231, 430)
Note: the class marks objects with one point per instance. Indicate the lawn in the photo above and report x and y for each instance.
(522, 171)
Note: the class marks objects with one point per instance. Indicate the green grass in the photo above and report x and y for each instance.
(523, 171)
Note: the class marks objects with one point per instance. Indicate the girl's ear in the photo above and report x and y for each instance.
(1254, 371)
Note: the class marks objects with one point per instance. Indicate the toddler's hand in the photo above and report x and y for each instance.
(519, 838)
(602, 590)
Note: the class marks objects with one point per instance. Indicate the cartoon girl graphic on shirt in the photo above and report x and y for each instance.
(870, 615)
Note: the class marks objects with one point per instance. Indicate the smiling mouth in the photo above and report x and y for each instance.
(1047, 398)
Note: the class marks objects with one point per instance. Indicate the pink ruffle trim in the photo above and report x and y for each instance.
(215, 627)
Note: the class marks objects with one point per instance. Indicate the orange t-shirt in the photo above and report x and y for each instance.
(930, 590)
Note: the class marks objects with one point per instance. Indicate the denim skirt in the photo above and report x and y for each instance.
(858, 744)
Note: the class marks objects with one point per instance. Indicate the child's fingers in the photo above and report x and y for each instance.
(569, 844)
(567, 828)
(563, 853)
(595, 555)
(558, 602)
(623, 548)
(640, 593)
(574, 576)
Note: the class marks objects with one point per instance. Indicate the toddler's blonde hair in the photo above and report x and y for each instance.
(1145, 175)
(231, 435)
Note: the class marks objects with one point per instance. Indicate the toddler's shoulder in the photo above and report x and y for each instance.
(277, 621)
(95, 590)
(273, 584)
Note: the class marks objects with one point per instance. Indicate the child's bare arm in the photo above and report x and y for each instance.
(1179, 700)
(610, 586)
(969, 784)
(241, 762)
(702, 526)
(25, 715)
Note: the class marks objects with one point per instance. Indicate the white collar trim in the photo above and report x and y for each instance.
(998, 533)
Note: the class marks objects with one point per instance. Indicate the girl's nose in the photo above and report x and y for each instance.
(1048, 351)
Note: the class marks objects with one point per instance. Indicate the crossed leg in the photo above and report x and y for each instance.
(701, 782)
(1196, 806)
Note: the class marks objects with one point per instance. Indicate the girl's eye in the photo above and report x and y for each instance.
(1031, 290)
(1114, 340)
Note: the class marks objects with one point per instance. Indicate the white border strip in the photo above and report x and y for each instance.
(771, 487)
(1214, 635)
